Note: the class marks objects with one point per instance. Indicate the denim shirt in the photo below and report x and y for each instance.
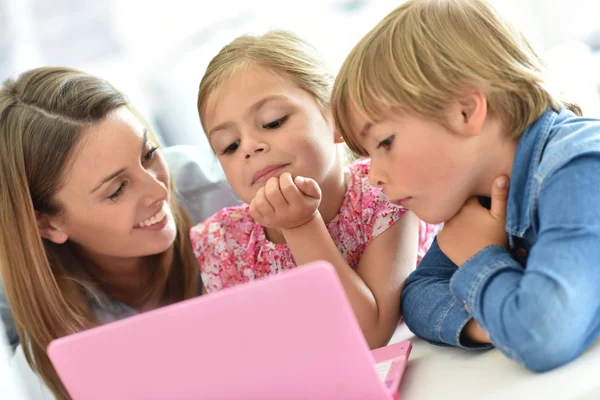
(538, 300)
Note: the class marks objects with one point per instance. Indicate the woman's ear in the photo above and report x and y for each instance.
(467, 114)
(49, 229)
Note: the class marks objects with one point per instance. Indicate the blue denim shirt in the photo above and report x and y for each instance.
(538, 300)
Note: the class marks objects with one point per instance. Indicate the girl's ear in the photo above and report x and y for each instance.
(338, 138)
(467, 114)
(49, 229)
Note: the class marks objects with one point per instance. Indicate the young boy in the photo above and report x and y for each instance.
(448, 101)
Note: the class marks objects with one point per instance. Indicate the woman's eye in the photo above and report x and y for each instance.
(276, 124)
(118, 192)
(231, 148)
(150, 154)
(387, 143)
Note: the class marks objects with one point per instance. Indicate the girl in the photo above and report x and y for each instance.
(264, 103)
(449, 82)
(90, 230)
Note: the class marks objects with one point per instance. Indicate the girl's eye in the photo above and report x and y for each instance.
(387, 143)
(231, 148)
(118, 192)
(278, 123)
(149, 156)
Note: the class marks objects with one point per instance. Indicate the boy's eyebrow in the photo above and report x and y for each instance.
(253, 110)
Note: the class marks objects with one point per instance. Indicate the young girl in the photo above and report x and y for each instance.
(264, 103)
(447, 100)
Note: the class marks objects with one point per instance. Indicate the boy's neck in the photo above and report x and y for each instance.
(496, 160)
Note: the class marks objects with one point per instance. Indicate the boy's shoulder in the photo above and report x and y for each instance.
(570, 136)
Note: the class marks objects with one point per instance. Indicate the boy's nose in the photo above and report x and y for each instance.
(375, 177)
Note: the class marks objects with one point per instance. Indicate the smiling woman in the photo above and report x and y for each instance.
(90, 229)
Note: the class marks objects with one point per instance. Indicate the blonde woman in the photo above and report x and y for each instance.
(91, 230)
(448, 101)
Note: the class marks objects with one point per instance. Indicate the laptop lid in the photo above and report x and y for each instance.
(291, 336)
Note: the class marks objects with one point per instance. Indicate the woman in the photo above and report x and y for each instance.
(91, 230)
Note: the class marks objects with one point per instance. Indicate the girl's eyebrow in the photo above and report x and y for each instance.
(254, 108)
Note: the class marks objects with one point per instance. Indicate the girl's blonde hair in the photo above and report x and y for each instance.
(43, 115)
(426, 53)
(282, 52)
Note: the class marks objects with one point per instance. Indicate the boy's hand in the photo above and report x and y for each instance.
(286, 203)
(474, 227)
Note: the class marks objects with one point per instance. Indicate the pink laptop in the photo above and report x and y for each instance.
(289, 336)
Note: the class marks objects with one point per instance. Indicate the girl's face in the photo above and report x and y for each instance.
(115, 196)
(261, 124)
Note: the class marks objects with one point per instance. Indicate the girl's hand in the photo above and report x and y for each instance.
(286, 203)
(474, 227)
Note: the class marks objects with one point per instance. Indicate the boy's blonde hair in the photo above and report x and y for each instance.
(426, 53)
(280, 51)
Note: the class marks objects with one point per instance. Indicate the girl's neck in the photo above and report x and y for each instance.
(333, 192)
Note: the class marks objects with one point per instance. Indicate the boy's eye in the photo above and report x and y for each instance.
(231, 148)
(276, 124)
(387, 143)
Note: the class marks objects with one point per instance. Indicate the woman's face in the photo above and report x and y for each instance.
(115, 193)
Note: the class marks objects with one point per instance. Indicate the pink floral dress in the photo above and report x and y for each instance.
(232, 248)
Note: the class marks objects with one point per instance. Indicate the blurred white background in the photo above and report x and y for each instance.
(157, 50)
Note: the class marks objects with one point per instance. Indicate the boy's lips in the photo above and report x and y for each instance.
(267, 172)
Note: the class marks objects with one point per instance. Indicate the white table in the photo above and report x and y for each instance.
(435, 373)
(449, 373)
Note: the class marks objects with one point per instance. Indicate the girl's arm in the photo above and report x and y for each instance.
(374, 288)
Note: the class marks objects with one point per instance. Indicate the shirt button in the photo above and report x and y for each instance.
(521, 252)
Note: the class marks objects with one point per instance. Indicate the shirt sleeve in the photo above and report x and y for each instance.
(546, 314)
(429, 308)
(204, 238)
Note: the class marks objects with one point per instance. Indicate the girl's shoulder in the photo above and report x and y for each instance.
(360, 194)
(229, 224)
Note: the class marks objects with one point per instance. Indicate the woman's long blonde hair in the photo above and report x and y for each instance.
(425, 53)
(43, 115)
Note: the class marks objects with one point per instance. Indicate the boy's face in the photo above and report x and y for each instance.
(419, 163)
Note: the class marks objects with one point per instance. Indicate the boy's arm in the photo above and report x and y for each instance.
(430, 309)
(546, 314)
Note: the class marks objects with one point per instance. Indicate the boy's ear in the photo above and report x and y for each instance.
(467, 114)
(49, 229)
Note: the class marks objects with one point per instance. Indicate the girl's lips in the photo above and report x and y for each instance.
(267, 172)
